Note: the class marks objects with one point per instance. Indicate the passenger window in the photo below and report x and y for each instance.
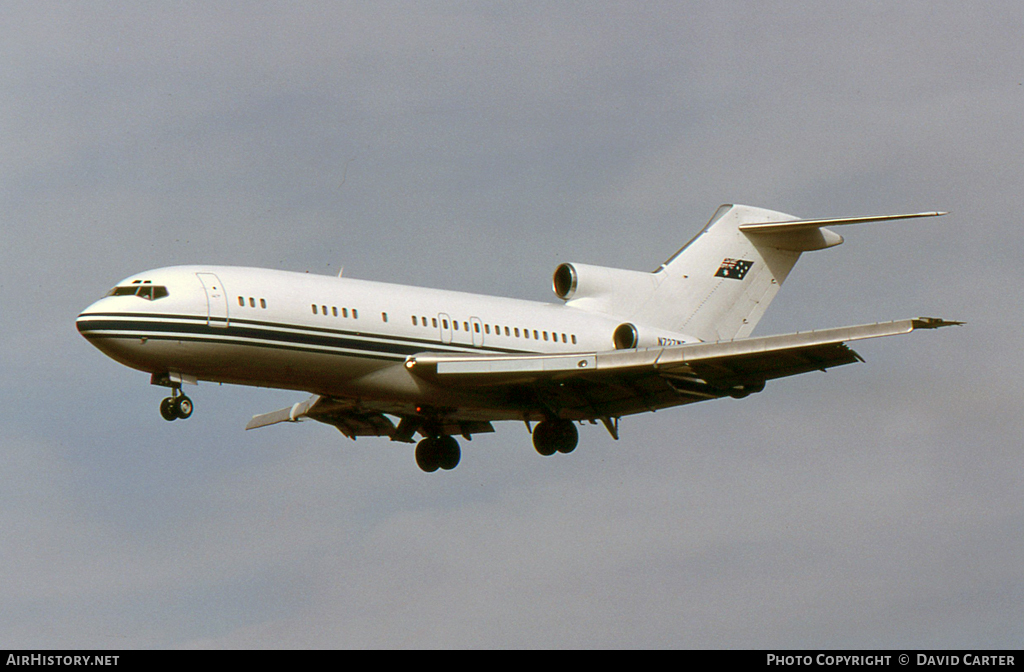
(313, 306)
(414, 321)
(384, 316)
(334, 310)
(263, 303)
(252, 302)
(433, 321)
(241, 302)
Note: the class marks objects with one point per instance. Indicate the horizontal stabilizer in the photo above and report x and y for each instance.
(807, 224)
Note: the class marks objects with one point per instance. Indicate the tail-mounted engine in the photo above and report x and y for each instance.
(601, 289)
(615, 292)
(628, 336)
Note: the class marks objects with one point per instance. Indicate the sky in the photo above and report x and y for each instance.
(475, 146)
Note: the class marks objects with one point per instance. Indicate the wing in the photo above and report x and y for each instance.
(602, 385)
(596, 385)
(354, 419)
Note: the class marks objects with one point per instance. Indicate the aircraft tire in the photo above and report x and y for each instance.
(543, 441)
(167, 411)
(552, 436)
(182, 407)
(427, 455)
(555, 436)
(568, 437)
(449, 453)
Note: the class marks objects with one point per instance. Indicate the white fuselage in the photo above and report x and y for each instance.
(332, 336)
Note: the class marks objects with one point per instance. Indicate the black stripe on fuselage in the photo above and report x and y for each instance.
(262, 334)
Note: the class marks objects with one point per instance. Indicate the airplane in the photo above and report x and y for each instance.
(399, 361)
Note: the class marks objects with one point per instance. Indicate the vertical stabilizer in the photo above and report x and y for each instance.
(719, 285)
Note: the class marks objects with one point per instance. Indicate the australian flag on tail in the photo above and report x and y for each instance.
(733, 269)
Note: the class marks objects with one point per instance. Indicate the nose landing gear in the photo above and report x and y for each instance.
(175, 407)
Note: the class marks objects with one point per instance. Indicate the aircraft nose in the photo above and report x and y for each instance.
(83, 319)
(80, 322)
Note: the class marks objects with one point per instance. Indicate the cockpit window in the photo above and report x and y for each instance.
(152, 292)
(143, 290)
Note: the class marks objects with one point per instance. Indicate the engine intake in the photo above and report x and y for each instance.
(609, 290)
(625, 337)
(564, 281)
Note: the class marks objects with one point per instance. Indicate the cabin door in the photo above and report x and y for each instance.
(477, 328)
(216, 300)
(444, 323)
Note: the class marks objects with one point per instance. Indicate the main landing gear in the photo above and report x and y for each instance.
(549, 437)
(438, 452)
(175, 407)
(555, 436)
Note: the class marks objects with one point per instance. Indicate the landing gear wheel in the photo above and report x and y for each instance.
(182, 407)
(543, 440)
(426, 455)
(167, 410)
(568, 437)
(449, 453)
(176, 407)
(438, 452)
(555, 436)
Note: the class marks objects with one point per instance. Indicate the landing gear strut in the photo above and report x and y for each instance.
(438, 452)
(555, 436)
(177, 406)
